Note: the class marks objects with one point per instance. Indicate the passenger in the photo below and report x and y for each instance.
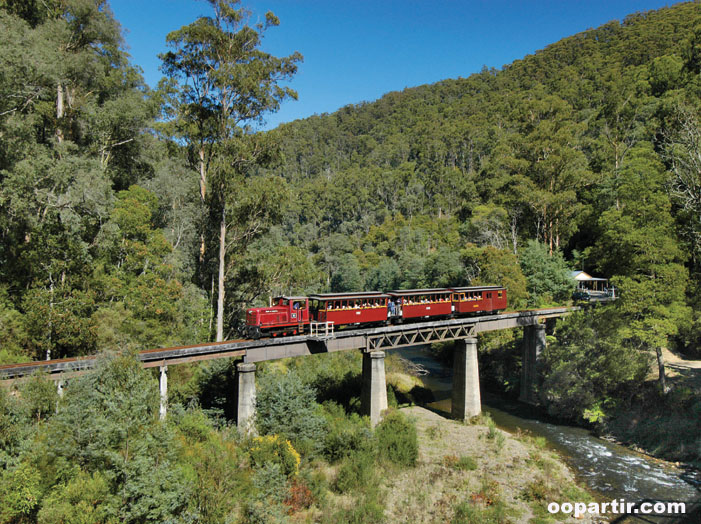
(391, 307)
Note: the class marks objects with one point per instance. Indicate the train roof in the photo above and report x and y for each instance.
(286, 297)
(477, 288)
(418, 291)
(341, 296)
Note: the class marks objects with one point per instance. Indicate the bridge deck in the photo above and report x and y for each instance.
(368, 339)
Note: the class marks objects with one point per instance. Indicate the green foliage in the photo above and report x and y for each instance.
(357, 472)
(270, 483)
(13, 332)
(367, 510)
(20, 491)
(547, 274)
(213, 460)
(499, 267)
(40, 397)
(108, 424)
(469, 513)
(108, 241)
(86, 499)
(464, 463)
(346, 276)
(346, 434)
(397, 440)
(286, 406)
(589, 366)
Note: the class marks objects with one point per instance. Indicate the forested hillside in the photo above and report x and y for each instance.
(133, 218)
(545, 149)
(110, 238)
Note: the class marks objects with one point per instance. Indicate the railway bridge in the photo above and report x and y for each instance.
(373, 342)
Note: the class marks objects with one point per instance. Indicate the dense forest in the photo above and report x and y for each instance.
(133, 218)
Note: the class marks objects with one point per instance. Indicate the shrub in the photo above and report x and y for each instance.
(262, 512)
(345, 434)
(299, 496)
(86, 498)
(357, 471)
(365, 511)
(286, 406)
(397, 440)
(466, 463)
(476, 513)
(273, 449)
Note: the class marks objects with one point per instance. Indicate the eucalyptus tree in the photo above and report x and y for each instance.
(639, 248)
(220, 82)
(71, 116)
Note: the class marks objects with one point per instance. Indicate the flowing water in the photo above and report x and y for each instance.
(609, 470)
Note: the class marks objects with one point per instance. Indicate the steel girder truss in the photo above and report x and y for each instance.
(418, 336)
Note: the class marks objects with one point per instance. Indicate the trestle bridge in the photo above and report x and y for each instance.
(373, 342)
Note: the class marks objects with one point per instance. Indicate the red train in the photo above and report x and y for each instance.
(295, 315)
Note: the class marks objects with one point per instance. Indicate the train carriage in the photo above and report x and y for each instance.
(478, 299)
(420, 303)
(350, 308)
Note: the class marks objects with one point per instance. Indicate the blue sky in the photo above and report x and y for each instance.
(358, 50)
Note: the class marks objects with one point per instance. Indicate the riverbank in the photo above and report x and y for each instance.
(668, 426)
(608, 470)
(478, 473)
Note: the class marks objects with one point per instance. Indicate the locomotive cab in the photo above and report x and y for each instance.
(286, 316)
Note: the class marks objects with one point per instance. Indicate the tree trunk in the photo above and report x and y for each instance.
(203, 192)
(203, 174)
(220, 295)
(660, 367)
(59, 112)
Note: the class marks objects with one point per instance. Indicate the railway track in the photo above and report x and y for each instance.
(269, 348)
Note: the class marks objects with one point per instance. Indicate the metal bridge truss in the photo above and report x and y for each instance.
(417, 337)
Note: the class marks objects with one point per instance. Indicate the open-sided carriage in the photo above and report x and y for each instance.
(478, 299)
(420, 303)
(349, 308)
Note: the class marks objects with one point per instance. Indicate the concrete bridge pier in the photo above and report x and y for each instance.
(373, 399)
(466, 400)
(246, 379)
(163, 387)
(532, 349)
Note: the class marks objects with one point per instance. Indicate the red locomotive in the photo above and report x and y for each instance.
(294, 315)
(288, 316)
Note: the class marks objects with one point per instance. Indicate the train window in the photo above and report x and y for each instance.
(499, 294)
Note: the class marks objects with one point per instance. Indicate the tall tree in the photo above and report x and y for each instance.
(218, 83)
(638, 246)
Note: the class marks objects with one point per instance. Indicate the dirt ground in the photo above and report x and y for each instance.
(514, 473)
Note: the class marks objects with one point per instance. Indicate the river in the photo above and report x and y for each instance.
(609, 470)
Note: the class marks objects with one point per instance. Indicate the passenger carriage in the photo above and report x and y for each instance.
(349, 308)
(478, 299)
(420, 303)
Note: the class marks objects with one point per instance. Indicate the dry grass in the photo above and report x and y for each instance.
(506, 468)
